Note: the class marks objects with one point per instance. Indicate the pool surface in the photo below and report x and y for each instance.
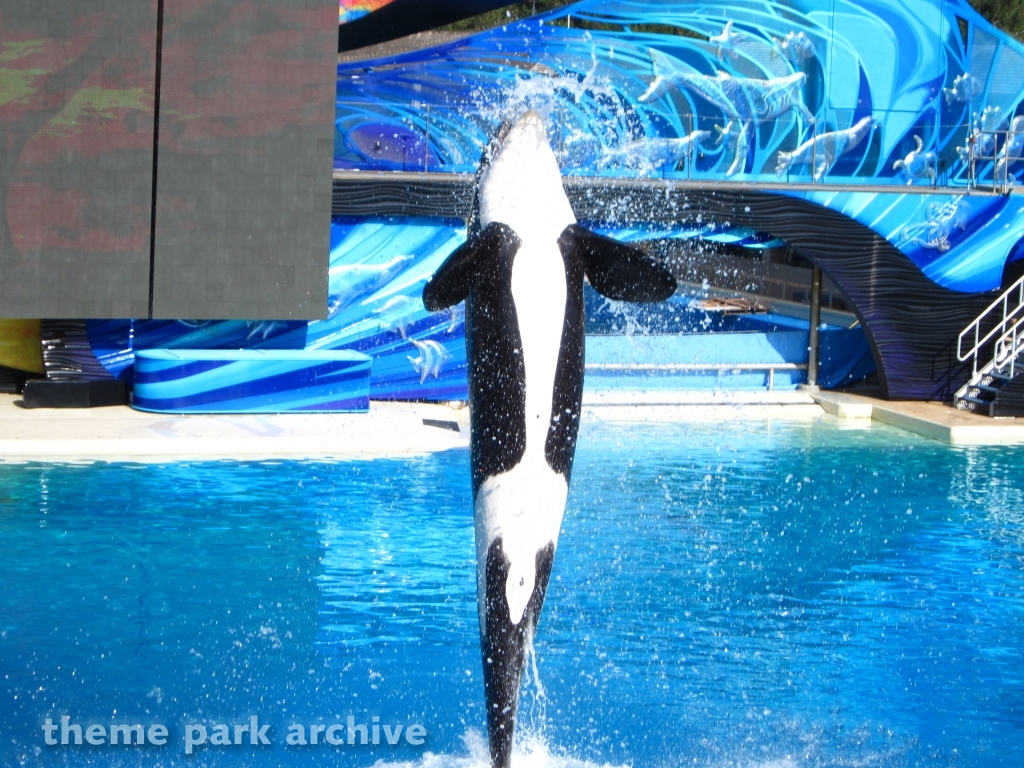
(742, 594)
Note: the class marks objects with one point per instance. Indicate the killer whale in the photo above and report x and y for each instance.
(521, 273)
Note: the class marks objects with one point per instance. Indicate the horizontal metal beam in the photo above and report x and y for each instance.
(343, 179)
(696, 367)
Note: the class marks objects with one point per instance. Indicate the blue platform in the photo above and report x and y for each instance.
(750, 359)
(251, 381)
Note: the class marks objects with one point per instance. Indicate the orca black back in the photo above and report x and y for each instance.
(480, 272)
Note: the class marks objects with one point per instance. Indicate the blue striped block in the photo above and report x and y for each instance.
(251, 381)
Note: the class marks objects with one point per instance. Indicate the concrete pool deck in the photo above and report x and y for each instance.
(393, 429)
(938, 421)
(119, 433)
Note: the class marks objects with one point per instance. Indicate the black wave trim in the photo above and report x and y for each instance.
(911, 322)
(407, 17)
(447, 199)
(67, 353)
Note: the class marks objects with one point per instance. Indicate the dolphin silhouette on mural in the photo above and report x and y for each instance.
(740, 98)
(350, 282)
(823, 150)
(648, 155)
(746, 102)
(521, 274)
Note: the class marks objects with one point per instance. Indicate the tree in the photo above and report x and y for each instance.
(1008, 15)
(501, 16)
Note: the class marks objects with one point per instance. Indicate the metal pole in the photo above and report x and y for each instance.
(812, 331)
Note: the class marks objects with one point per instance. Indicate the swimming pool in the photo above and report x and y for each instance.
(769, 594)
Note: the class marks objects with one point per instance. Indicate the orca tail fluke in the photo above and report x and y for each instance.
(504, 646)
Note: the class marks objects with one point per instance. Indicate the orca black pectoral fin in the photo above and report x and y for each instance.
(616, 270)
(453, 280)
(503, 646)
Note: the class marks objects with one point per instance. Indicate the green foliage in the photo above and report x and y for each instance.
(1008, 15)
(505, 15)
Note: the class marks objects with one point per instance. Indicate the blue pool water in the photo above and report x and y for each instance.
(794, 594)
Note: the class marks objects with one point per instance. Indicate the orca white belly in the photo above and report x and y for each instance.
(524, 507)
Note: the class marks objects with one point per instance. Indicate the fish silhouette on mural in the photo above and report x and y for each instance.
(432, 356)
(795, 47)
(981, 141)
(965, 87)
(647, 155)
(1012, 151)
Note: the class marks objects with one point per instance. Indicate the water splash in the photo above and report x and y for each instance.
(532, 718)
(531, 751)
(562, 99)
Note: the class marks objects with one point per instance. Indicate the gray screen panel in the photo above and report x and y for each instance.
(76, 157)
(245, 159)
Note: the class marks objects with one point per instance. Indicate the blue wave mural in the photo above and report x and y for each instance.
(377, 272)
(251, 381)
(891, 93)
(906, 116)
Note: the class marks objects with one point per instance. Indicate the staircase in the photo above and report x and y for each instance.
(997, 336)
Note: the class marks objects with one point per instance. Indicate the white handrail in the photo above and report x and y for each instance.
(1007, 347)
(1008, 315)
(771, 368)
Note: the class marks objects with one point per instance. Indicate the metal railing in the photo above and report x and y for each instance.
(445, 133)
(999, 155)
(1006, 349)
(771, 368)
(1010, 316)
